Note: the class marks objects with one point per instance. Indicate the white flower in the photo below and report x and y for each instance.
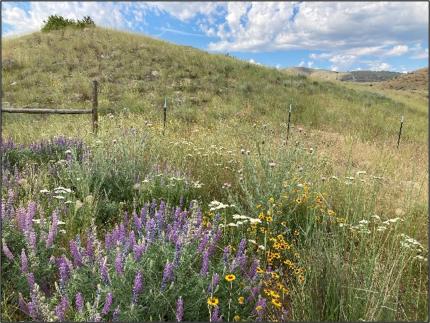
(381, 228)
(363, 222)
(253, 221)
(261, 247)
(232, 224)
(59, 197)
(68, 151)
(44, 191)
(252, 241)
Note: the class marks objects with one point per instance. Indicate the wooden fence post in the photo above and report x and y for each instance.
(400, 132)
(165, 114)
(288, 126)
(94, 110)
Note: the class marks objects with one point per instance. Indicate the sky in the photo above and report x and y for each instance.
(339, 36)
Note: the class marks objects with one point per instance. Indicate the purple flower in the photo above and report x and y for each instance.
(253, 269)
(7, 251)
(21, 219)
(138, 250)
(121, 233)
(178, 248)
(30, 280)
(61, 308)
(108, 241)
(254, 293)
(118, 263)
(215, 315)
(77, 257)
(179, 309)
(260, 308)
(205, 264)
(31, 239)
(24, 262)
(214, 283)
(63, 268)
(215, 240)
(167, 275)
(137, 222)
(103, 271)
(137, 287)
(131, 239)
(90, 247)
(203, 243)
(22, 304)
(79, 301)
(226, 254)
(52, 230)
(150, 231)
(108, 304)
(115, 316)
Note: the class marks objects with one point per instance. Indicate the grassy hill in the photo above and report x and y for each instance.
(136, 73)
(346, 200)
(414, 81)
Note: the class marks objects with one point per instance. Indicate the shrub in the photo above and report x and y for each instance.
(55, 22)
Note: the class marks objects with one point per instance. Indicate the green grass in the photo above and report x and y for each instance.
(218, 109)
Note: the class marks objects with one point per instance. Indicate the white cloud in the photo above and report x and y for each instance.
(310, 63)
(302, 63)
(398, 50)
(378, 66)
(322, 26)
(252, 61)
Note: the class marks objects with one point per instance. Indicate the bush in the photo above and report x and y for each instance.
(55, 22)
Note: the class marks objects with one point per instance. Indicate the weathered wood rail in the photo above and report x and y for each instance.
(93, 111)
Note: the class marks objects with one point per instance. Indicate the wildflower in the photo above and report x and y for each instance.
(230, 277)
(79, 301)
(179, 309)
(214, 283)
(60, 309)
(236, 318)
(269, 219)
(52, 230)
(24, 262)
(213, 301)
(215, 315)
(118, 263)
(167, 275)
(241, 300)
(108, 304)
(115, 316)
(205, 263)
(77, 258)
(137, 287)
(276, 302)
(103, 271)
(7, 251)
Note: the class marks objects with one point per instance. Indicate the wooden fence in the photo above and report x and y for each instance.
(93, 111)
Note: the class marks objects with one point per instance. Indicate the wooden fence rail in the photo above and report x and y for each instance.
(92, 111)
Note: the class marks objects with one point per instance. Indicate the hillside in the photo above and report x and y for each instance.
(353, 76)
(414, 81)
(136, 72)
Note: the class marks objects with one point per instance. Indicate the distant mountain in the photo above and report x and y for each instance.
(416, 80)
(369, 76)
(353, 76)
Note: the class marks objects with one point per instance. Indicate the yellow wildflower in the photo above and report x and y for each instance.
(241, 300)
(213, 301)
(230, 277)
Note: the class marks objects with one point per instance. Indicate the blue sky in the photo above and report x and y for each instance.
(331, 35)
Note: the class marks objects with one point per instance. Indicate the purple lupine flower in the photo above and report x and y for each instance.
(160, 218)
(131, 239)
(214, 242)
(9, 203)
(77, 257)
(203, 243)
(137, 287)
(205, 264)
(253, 269)
(241, 249)
(152, 207)
(79, 301)
(22, 304)
(61, 308)
(138, 250)
(89, 252)
(108, 303)
(167, 275)
(33, 309)
(121, 232)
(150, 231)
(178, 249)
(7, 251)
(30, 280)
(254, 293)
(261, 305)
(63, 268)
(118, 263)
(21, 219)
(214, 283)
(108, 241)
(115, 316)
(215, 315)
(179, 309)
(226, 254)
(199, 218)
(31, 239)
(52, 230)
(137, 222)
(143, 212)
(103, 271)
(31, 210)
(24, 262)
